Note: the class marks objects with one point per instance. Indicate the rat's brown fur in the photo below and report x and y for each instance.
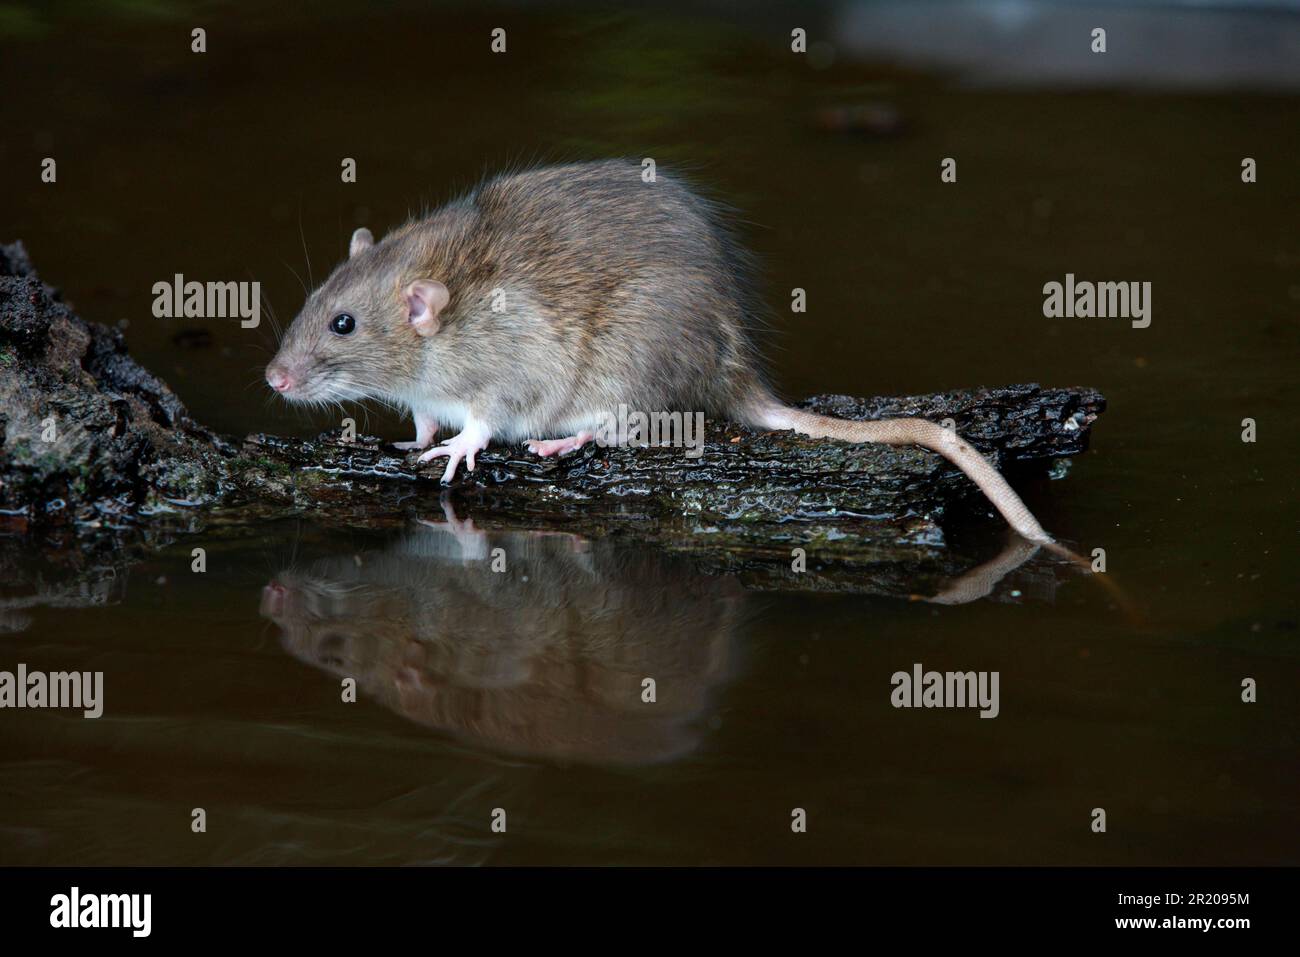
(611, 291)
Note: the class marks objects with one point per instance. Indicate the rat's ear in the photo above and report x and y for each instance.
(362, 240)
(425, 300)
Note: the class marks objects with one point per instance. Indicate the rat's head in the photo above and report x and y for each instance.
(360, 334)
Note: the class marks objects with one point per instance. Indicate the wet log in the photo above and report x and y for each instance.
(94, 443)
(743, 476)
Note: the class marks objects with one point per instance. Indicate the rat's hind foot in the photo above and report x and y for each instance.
(548, 447)
(464, 445)
(425, 430)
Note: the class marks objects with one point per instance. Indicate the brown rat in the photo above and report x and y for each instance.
(539, 303)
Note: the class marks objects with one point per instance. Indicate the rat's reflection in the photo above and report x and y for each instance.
(534, 644)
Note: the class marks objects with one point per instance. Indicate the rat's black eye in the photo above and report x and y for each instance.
(342, 324)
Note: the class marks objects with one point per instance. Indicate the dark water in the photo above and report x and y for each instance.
(479, 692)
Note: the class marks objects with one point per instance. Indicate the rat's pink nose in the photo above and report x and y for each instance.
(273, 598)
(278, 379)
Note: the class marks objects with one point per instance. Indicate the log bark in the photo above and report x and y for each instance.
(743, 475)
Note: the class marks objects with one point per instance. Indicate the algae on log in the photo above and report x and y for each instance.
(94, 442)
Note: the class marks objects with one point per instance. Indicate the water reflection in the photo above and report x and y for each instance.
(531, 643)
(535, 643)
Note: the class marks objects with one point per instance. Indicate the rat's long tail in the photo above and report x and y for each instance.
(766, 412)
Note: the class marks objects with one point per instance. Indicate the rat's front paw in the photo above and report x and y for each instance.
(466, 444)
